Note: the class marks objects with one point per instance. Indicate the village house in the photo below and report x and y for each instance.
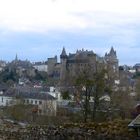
(41, 66)
(44, 103)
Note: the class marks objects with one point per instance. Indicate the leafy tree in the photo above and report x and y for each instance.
(9, 74)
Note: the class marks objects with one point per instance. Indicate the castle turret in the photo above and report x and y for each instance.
(112, 64)
(63, 58)
(51, 64)
(63, 54)
(113, 52)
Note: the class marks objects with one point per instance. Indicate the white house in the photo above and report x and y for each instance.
(55, 93)
(41, 67)
(6, 101)
(44, 102)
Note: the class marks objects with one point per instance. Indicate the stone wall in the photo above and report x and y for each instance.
(90, 131)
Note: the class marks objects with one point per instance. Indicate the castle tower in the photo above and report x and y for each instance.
(63, 58)
(113, 53)
(51, 64)
(112, 64)
(63, 54)
(113, 59)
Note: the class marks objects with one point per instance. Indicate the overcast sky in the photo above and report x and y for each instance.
(38, 29)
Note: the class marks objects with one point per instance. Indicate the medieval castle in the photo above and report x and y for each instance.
(82, 59)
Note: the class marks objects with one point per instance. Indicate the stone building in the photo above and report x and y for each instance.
(2, 65)
(75, 63)
(41, 99)
(41, 66)
(53, 67)
(112, 64)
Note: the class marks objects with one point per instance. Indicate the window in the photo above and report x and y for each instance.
(35, 101)
(31, 101)
(27, 101)
(6, 102)
(40, 102)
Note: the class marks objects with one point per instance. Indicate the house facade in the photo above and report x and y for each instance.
(41, 66)
(44, 103)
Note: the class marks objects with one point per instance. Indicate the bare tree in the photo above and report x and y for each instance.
(122, 102)
(91, 82)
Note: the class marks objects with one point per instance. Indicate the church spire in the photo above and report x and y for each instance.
(16, 58)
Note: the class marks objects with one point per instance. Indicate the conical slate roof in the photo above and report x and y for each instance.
(63, 54)
(112, 52)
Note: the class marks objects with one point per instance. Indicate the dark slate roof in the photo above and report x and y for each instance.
(40, 63)
(26, 93)
(36, 95)
(71, 56)
(27, 89)
(80, 56)
(63, 54)
(112, 51)
(3, 87)
(111, 55)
